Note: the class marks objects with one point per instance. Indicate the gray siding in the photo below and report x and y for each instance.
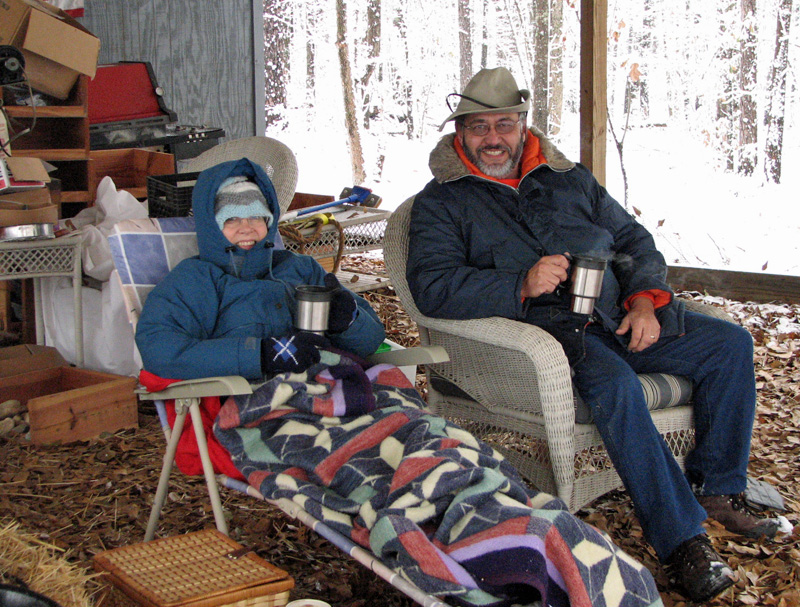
(201, 51)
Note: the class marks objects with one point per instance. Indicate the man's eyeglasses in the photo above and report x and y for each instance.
(504, 127)
(253, 222)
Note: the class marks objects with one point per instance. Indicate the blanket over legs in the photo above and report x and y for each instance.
(360, 451)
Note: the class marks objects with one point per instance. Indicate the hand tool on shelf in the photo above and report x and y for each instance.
(356, 196)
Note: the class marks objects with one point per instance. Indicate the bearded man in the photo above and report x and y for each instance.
(492, 235)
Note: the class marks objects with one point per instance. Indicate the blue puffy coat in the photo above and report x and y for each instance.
(209, 314)
(472, 241)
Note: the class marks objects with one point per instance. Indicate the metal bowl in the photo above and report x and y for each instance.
(33, 231)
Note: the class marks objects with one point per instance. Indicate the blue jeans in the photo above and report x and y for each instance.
(718, 357)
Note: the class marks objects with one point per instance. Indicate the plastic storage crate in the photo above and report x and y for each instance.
(170, 195)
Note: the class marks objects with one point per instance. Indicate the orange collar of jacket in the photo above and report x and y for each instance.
(531, 158)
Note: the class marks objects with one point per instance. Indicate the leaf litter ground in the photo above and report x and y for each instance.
(95, 495)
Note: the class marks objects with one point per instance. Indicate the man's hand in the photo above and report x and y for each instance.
(641, 322)
(545, 275)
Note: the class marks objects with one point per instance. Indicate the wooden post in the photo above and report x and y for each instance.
(593, 107)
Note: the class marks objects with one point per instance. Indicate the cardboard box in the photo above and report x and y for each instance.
(4, 137)
(20, 174)
(130, 167)
(65, 404)
(24, 208)
(56, 47)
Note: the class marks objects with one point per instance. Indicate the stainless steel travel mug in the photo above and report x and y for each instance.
(587, 281)
(313, 306)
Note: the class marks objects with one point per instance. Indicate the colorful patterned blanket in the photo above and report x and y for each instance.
(359, 450)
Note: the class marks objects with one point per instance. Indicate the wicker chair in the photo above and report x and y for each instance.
(509, 383)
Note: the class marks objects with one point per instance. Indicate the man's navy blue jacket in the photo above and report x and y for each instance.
(472, 241)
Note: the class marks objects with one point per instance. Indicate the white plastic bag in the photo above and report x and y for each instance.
(96, 223)
(108, 343)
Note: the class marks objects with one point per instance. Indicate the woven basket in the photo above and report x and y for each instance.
(192, 570)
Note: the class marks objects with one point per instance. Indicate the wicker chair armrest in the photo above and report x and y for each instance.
(708, 310)
(507, 364)
(498, 331)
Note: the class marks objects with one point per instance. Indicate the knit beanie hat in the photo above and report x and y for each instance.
(239, 197)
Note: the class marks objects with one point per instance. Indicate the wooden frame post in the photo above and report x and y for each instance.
(593, 104)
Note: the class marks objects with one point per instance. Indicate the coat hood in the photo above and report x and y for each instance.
(446, 165)
(211, 242)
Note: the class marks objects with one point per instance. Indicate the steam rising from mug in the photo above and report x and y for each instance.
(313, 307)
(587, 281)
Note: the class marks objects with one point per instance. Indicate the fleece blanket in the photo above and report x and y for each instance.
(358, 450)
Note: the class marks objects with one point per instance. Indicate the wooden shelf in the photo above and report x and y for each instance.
(53, 154)
(136, 192)
(60, 136)
(75, 196)
(48, 111)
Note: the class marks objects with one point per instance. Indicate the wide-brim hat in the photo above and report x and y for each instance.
(490, 90)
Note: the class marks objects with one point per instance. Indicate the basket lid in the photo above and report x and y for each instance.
(195, 568)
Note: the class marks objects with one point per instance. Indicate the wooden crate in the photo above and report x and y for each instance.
(130, 167)
(5, 307)
(67, 404)
(200, 569)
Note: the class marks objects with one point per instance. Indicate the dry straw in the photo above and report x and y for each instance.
(36, 564)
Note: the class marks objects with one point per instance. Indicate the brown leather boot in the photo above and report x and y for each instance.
(731, 511)
(697, 571)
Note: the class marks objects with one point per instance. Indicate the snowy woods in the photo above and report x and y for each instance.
(347, 80)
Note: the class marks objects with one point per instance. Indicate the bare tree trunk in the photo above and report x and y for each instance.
(619, 141)
(313, 18)
(728, 101)
(405, 85)
(351, 121)
(484, 37)
(776, 110)
(506, 42)
(648, 45)
(465, 41)
(277, 33)
(540, 84)
(748, 70)
(373, 43)
(556, 85)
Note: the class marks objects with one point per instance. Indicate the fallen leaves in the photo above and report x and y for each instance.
(91, 496)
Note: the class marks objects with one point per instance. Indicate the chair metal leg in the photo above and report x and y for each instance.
(166, 469)
(208, 467)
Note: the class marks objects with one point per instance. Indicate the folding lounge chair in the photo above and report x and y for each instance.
(144, 251)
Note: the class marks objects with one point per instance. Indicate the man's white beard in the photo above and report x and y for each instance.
(494, 170)
(498, 171)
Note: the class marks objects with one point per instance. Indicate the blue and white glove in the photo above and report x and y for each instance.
(295, 352)
(343, 308)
